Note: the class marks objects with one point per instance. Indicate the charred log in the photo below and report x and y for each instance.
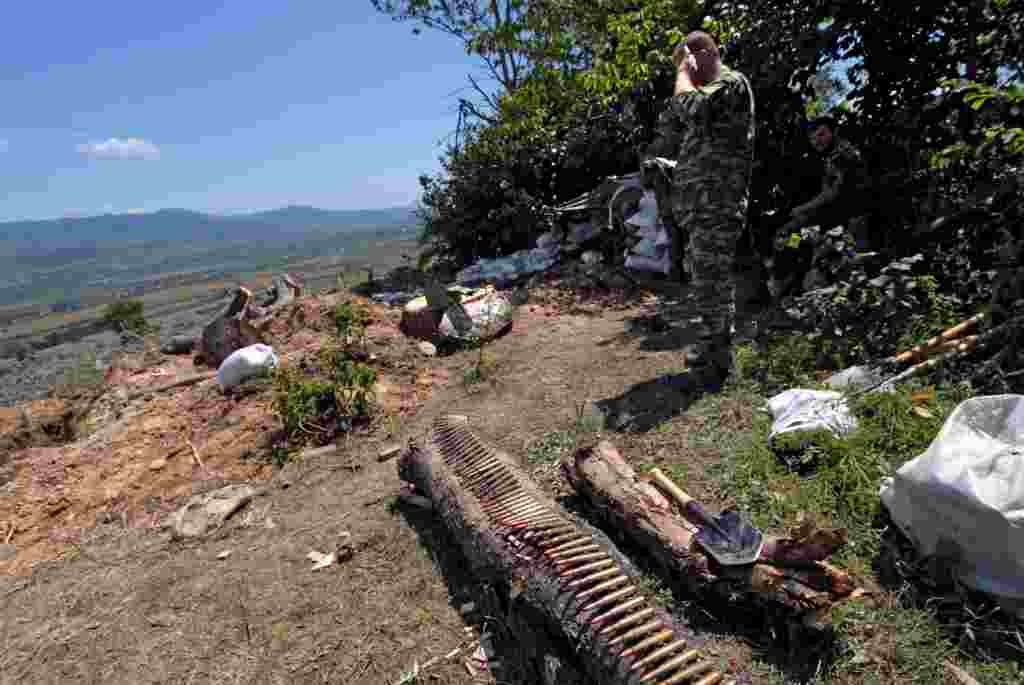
(573, 598)
(790, 577)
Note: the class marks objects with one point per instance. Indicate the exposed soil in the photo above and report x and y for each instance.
(97, 591)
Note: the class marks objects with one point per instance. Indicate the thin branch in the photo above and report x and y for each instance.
(491, 100)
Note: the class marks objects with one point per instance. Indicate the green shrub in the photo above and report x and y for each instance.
(128, 315)
(85, 373)
(300, 403)
(350, 321)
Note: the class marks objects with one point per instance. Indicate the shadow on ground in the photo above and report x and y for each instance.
(465, 588)
(777, 638)
(648, 404)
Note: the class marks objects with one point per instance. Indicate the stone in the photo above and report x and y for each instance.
(157, 464)
(388, 452)
(179, 344)
(207, 512)
(428, 349)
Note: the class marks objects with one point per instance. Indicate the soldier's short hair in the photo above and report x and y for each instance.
(699, 41)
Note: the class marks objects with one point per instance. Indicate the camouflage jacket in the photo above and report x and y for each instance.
(710, 132)
(844, 175)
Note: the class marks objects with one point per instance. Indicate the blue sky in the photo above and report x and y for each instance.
(113, 106)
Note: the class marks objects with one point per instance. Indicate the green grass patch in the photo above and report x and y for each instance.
(550, 448)
(840, 488)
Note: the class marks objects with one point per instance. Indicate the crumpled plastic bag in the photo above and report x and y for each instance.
(963, 498)
(246, 363)
(810, 410)
(647, 212)
(479, 318)
(662, 264)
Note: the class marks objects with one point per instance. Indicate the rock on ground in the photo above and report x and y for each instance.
(207, 512)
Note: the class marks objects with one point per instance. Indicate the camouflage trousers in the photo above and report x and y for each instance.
(709, 259)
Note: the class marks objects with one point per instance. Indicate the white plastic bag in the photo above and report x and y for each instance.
(965, 496)
(246, 363)
(647, 212)
(809, 410)
(662, 239)
(646, 248)
(661, 264)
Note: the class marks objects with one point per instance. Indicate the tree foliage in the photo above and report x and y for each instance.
(926, 90)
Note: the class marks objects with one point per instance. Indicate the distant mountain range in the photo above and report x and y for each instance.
(86, 234)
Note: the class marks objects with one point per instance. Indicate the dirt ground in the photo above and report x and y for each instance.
(97, 591)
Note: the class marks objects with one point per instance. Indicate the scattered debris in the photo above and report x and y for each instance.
(195, 454)
(458, 313)
(228, 331)
(207, 512)
(428, 349)
(397, 298)
(344, 551)
(413, 675)
(505, 271)
(483, 315)
(389, 452)
(157, 464)
(321, 560)
(224, 555)
(181, 344)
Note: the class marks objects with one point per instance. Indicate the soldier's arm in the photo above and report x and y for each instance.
(828, 195)
(836, 183)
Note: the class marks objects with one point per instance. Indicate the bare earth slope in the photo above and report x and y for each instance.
(98, 592)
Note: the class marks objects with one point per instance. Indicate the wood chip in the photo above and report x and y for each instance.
(388, 451)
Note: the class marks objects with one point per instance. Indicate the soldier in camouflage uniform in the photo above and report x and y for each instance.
(841, 202)
(708, 127)
(842, 184)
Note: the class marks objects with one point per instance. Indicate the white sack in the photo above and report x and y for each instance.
(248, 362)
(646, 248)
(660, 265)
(647, 212)
(966, 493)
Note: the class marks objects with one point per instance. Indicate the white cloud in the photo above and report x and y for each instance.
(120, 148)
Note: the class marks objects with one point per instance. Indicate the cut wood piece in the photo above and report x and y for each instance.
(788, 576)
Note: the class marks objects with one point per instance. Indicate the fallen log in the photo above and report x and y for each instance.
(188, 380)
(790, 574)
(567, 593)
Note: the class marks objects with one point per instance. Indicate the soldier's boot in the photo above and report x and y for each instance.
(710, 360)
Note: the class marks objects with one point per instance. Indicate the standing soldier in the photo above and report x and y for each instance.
(708, 128)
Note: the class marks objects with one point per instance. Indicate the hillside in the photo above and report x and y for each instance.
(55, 241)
(65, 261)
(91, 563)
